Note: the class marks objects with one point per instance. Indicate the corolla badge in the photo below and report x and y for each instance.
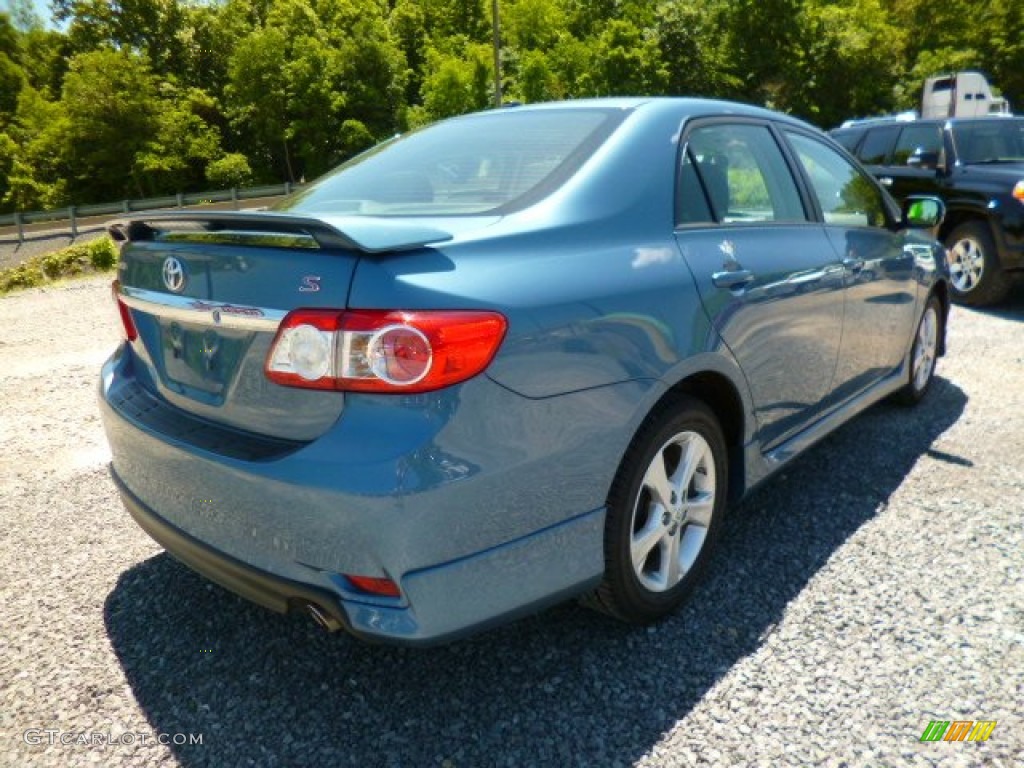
(174, 275)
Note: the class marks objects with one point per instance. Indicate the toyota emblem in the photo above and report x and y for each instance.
(174, 275)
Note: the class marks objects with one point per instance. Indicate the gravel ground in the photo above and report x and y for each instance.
(875, 586)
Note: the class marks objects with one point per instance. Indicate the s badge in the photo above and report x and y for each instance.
(310, 284)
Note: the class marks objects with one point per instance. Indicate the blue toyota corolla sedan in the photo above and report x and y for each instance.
(509, 359)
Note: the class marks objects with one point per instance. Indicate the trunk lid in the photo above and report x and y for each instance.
(207, 292)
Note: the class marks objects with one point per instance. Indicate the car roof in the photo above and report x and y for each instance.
(684, 106)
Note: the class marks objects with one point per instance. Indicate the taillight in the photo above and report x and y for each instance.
(130, 331)
(381, 350)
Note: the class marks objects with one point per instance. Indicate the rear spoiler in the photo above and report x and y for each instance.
(367, 234)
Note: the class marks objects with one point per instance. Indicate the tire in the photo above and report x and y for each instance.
(923, 354)
(656, 547)
(977, 279)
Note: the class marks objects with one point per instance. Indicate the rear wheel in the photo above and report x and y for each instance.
(923, 354)
(976, 276)
(665, 510)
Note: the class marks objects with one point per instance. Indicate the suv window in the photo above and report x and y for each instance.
(744, 174)
(915, 140)
(878, 144)
(848, 138)
(990, 141)
(847, 196)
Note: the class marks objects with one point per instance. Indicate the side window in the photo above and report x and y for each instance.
(915, 140)
(743, 173)
(848, 137)
(878, 144)
(847, 196)
(693, 205)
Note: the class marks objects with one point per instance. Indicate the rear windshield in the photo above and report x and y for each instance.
(493, 162)
(998, 140)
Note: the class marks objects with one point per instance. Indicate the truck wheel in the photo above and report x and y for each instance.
(977, 277)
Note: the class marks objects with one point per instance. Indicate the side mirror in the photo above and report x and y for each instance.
(924, 160)
(921, 212)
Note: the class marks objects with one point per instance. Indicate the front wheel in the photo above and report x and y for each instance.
(975, 273)
(923, 354)
(665, 510)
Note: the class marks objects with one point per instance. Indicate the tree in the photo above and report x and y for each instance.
(295, 82)
(23, 15)
(110, 101)
(839, 43)
(690, 39)
(761, 35)
(37, 173)
(229, 172)
(458, 83)
(627, 62)
(176, 158)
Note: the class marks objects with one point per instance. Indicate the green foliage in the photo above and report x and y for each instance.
(229, 172)
(99, 255)
(457, 83)
(150, 97)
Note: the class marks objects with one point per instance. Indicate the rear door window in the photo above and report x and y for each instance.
(742, 172)
(878, 145)
(915, 140)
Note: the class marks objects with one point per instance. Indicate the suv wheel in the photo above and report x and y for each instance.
(977, 278)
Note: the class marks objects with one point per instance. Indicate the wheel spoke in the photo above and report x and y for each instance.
(670, 565)
(688, 464)
(657, 482)
(690, 546)
(646, 540)
(699, 509)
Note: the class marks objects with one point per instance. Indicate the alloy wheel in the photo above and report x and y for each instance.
(673, 511)
(966, 264)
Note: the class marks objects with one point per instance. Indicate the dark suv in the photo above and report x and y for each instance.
(976, 165)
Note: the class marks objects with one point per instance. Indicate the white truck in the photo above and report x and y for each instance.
(961, 94)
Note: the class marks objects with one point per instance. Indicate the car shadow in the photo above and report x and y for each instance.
(564, 687)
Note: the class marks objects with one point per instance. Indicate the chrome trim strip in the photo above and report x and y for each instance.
(216, 314)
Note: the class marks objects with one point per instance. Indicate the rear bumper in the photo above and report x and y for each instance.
(468, 500)
(433, 588)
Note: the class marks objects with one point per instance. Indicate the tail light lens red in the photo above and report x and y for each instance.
(130, 331)
(383, 350)
(375, 586)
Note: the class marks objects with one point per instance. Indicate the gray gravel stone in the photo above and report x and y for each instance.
(876, 585)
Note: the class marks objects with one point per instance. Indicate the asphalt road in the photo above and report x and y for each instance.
(875, 586)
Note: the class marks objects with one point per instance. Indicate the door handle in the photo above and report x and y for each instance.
(854, 265)
(733, 278)
(885, 181)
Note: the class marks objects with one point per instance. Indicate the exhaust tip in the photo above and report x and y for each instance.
(322, 618)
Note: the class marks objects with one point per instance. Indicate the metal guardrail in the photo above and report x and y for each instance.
(75, 213)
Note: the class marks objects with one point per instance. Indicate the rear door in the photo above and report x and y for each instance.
(913, 167)
(768, 276)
